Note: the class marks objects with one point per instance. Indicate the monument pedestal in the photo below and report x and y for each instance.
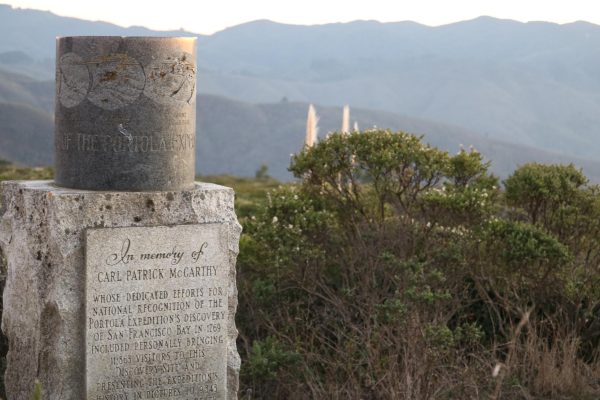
(119, 295)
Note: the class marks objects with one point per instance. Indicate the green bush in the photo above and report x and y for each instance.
(394, 270)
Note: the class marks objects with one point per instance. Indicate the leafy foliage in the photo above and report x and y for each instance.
(395, 270)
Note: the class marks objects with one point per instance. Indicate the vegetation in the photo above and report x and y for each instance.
(250, 194)
(394, 270)
(9, 171)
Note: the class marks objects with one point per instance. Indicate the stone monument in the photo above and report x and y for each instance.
(121, 272)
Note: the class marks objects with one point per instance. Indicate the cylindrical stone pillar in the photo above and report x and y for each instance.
(125, 113)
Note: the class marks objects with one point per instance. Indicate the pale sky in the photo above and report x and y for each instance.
(202, 16)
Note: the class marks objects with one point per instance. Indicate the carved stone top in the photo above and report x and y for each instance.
(125, 113)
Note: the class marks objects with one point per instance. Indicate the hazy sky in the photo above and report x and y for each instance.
(202, 16)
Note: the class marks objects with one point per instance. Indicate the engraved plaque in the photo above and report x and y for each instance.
(156, 312)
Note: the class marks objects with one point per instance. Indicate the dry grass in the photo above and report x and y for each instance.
(555, 369)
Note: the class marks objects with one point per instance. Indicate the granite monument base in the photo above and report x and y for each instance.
(119, 295)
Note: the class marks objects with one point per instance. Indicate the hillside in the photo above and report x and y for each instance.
(236, 137)
(516, 91)
(20, 89)
(532, 84)
(28, 37)
(26, 135)
(247, 135)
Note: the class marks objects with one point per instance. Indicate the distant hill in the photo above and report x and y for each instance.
(236, 137)
(509, 87)
(534, 84)
(26, 135)
(20, 89)
(28, 38)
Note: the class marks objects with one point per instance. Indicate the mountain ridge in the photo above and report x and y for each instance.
(254, 134)
(527, 85)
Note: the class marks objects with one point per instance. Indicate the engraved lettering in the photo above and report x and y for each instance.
(157, 312)
(124, 257)
(199, 252)
(133, 143)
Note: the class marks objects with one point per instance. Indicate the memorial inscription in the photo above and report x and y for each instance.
(127, 142)
(156, 312)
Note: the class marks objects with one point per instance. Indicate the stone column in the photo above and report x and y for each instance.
(43, 236)
(121, 273)
(125, 113)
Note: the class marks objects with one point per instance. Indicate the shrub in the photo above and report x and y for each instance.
(394, 270)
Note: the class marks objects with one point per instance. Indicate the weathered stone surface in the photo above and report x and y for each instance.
(125, 113)
(42, 235)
